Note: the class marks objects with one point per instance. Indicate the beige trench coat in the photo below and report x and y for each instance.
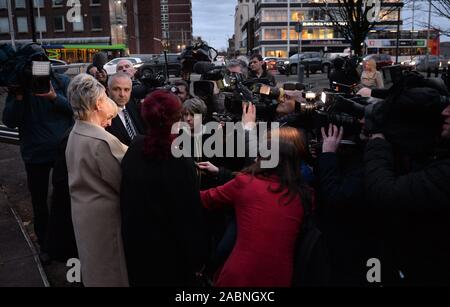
(93, 163)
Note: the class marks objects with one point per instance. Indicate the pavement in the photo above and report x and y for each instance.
(19, 261)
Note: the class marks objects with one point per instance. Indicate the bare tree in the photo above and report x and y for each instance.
(442, 9)
(351, 18)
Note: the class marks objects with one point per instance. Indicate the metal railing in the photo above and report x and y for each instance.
(70, 69)
(8, 135)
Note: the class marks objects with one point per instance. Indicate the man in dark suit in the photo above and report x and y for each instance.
(128, 123)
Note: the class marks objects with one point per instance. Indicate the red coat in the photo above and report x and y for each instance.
(267, 230)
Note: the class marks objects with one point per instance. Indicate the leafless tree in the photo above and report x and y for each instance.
(442, 9)
(350, 18)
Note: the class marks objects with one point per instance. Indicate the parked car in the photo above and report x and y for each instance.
(328, 58)
(311, 60)
(282, 65)
(271, 62)
(382, 60)
(419, 62)
(110, 67)
(157, 64)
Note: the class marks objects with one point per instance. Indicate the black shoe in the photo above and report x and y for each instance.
(45, 258)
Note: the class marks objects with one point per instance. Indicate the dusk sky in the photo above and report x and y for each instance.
(213, 20)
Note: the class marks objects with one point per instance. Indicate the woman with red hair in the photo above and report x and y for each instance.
(162, 218)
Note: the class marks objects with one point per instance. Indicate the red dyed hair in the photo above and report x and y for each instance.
(160, 110)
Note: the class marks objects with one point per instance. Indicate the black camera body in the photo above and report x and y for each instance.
(235, 89)
(28, 67)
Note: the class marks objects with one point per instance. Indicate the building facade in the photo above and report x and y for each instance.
(155, 24)
(101, 22)
(273, 37)
(244, 12)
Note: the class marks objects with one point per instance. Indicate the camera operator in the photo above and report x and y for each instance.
(407, 175)
(42, 120)
(258, 70)
(347, 224)
(339, 75)
(235, 66)
(183, 90)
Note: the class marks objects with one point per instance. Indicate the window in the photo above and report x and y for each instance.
(22, 24)
(41, 24)
(4, 25)
(78, 26)
(20, 4)
(59, 24)
(38, 2)
(57, 3)
(3, 4)
(95, 2)
(97, 23)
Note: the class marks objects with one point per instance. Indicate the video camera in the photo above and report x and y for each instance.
(28, 67)
(149, 82)
(236, 89)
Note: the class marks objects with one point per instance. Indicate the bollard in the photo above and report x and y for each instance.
(301, 73)
(307, 71)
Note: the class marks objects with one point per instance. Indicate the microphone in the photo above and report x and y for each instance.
(100, 59)
(293, 87)
(203, 67)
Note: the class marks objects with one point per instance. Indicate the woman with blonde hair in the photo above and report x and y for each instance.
(370, 77)
(93, 163)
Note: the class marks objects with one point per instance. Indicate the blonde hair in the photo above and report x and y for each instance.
(372, 63)
(83, 93)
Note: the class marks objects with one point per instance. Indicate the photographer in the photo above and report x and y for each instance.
(42, 120)
(346, 222)
(407, 172)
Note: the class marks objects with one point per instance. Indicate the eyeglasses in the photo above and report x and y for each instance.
(254, 62)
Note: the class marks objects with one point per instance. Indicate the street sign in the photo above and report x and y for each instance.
(299, 27)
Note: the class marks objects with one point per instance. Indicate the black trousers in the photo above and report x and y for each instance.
(38, 182)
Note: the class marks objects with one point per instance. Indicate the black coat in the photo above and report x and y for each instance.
(163, 226)
(61, 244)
(417, 213)
(118, 129)
(344, 217)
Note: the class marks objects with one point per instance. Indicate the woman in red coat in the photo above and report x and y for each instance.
(269, 206)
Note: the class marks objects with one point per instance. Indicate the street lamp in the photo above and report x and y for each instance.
(165, 45)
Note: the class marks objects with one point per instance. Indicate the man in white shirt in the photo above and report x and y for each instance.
(128, 123)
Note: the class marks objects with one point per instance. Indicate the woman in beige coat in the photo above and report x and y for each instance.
(93, 163)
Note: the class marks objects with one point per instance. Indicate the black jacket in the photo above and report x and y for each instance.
(265, 75)
(118, 129)
(163, 226)
(344, 218)
(416, 206)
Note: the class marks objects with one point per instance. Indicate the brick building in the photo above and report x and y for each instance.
(169, 20)
(102, 22)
